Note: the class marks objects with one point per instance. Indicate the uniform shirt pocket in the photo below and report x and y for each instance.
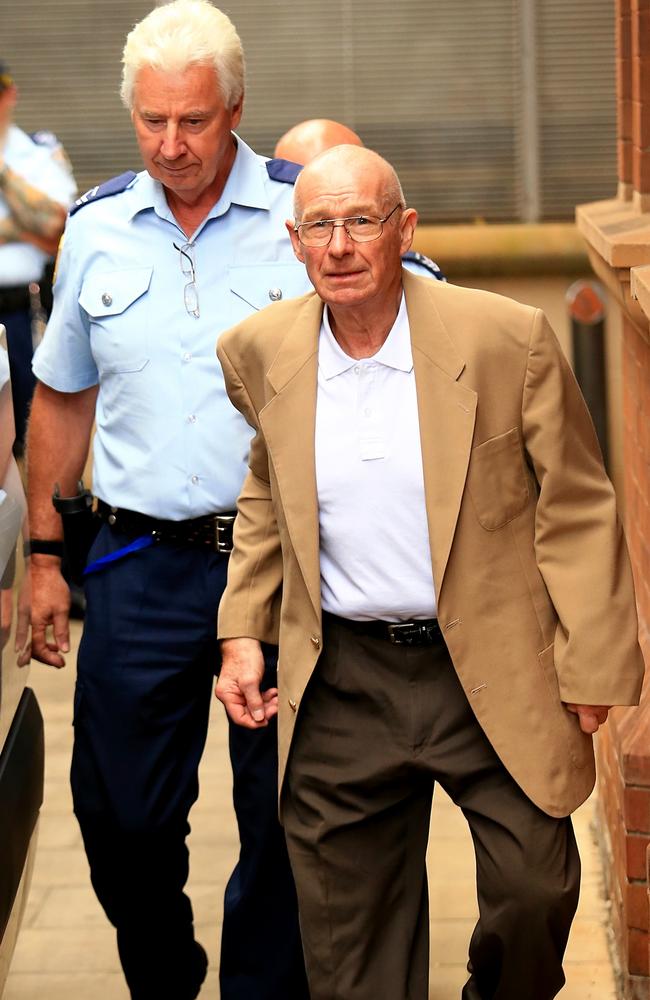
(498, 480)
(258, 285)
(116, 304)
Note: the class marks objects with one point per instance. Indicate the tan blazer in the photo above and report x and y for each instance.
(534, 588)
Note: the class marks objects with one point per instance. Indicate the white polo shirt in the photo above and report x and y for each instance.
(375, 559)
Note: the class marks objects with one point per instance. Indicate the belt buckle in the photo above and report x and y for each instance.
(403, 633)
(223, 524)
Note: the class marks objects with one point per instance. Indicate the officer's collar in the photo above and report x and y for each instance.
(244, 186)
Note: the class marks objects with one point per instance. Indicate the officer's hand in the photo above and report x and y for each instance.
(6, 615)
(238, 686)
(50, 611)
(23, 640)
(590, 716)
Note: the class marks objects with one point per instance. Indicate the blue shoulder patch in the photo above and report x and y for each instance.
(114, 186)
(428, 265)
(45, 138)
(283, 170)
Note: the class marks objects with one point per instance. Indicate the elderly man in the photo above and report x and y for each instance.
(36, 188)
(309, 138)
(427, 499)
(152, 266)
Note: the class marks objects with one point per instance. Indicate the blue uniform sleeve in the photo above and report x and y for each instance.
(64, 359)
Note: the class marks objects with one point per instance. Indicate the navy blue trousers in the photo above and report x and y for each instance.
(145, 675)
(19, 349)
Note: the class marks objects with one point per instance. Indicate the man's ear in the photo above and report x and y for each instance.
(236, 112)
(408, 223)
(295, 242)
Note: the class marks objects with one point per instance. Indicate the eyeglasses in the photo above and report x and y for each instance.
(360, 228)
(188, 268)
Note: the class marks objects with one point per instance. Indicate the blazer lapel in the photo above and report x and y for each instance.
(288, 421)
(447, 412)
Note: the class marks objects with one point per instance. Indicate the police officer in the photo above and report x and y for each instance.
(36, 188)
(302, 142)
(153, 266)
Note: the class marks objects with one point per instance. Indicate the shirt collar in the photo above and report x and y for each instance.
(245, 186)
(395, 352)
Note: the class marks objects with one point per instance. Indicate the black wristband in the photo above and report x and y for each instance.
(43, 546)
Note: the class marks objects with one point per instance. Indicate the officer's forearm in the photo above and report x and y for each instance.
(58, 439)
(31, 209)
(9, 231)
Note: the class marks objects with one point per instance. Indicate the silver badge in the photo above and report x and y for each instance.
(107, 299)
(275, 294)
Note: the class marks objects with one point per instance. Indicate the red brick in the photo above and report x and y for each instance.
(623, 80)
(640, 76)
(641, 168)
(636, 846)
(636, 899)
(640, 31)
(637, 951)
(624, 158)
(624, 37)
(635, 115)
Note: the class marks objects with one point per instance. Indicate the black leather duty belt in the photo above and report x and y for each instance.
(420, 632)
(15, 298)
(213, 531)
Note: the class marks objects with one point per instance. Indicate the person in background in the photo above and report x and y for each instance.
(307, 139)
(152, 266)
(36, 189)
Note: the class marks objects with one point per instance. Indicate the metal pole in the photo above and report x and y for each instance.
(586, 303)
(529, 144)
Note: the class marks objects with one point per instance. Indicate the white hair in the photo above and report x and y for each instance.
(180, 34)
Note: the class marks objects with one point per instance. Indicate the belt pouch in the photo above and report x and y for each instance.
(80, 528)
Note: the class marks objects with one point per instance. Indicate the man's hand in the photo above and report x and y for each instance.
(6, 615)
(238, 686)
(50, 609)
(590, 716)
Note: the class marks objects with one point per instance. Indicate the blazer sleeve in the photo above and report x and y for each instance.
(579, 543)
(250, 604)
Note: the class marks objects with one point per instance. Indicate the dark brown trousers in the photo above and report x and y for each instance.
(379, 725)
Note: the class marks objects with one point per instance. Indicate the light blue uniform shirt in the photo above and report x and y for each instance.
(40, 165)
(168, 441)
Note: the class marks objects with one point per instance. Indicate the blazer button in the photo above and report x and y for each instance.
(292, 705)
(316, 641)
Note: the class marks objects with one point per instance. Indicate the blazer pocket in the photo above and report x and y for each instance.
(498, 480)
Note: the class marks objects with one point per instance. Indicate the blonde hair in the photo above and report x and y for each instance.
(180, 34)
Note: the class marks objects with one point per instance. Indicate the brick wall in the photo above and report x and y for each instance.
(618, 235)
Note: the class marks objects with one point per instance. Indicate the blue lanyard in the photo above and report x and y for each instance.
(139, 543)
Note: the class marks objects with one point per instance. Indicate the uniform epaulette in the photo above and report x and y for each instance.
(114, 186)
(283, 170)
(425, 262)
(45, 138)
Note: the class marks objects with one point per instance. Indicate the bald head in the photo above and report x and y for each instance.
(350, 170)
(305, 141)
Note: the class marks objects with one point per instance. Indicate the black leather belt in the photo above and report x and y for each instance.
(419, 632)
(14, 298)
(214, 531)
